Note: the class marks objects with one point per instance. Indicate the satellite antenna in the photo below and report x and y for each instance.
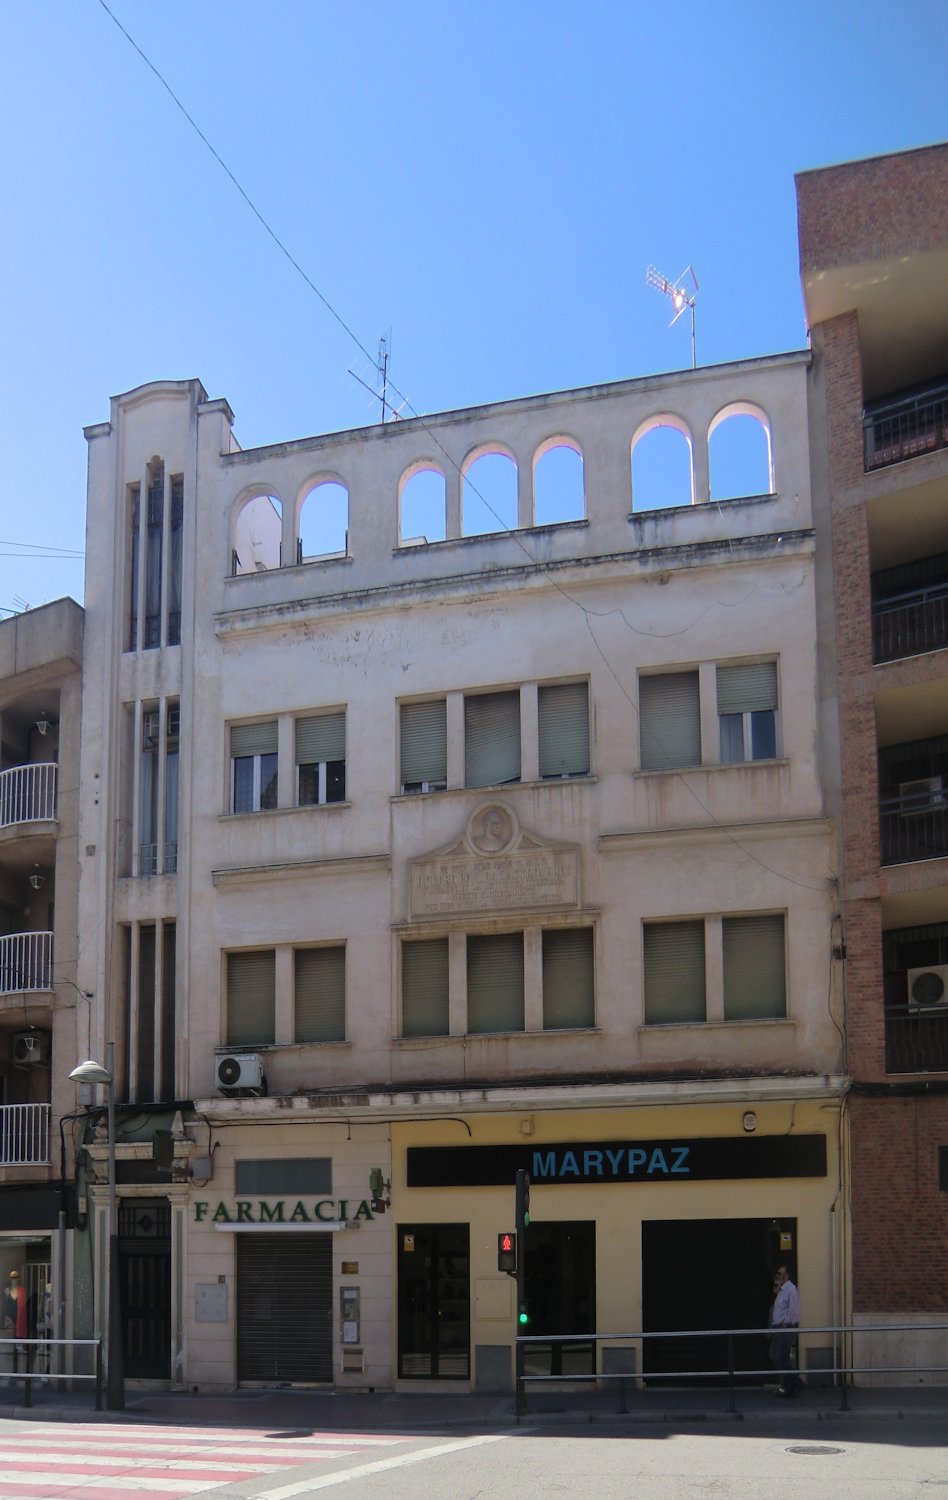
(683, 294)
(389, 413)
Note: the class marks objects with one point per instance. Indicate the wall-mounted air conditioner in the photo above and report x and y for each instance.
(924, 796)
(240, 1072)
(31, 1049)
(928, 988)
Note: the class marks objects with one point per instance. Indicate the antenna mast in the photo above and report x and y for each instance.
(683, 294)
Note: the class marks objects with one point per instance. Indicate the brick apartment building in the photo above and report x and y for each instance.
(874, 261)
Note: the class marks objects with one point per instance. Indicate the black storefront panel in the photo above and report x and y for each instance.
(284, 1307)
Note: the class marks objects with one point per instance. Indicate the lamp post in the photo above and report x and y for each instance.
(93, 1072)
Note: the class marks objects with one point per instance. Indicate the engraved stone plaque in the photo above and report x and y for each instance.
(495, 867)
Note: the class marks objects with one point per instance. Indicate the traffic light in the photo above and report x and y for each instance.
(523, 1198)
(507, 1253)
(523, 1317)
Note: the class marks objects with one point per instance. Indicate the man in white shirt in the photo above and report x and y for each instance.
(786, 1315)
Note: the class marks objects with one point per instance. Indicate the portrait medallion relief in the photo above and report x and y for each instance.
(492, 829)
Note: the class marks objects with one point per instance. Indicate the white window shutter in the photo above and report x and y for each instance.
(251, 998)
(320, 995)
(424, 742)
(425, 987)
(568, 996)
(492, 739)
(674, 972)
(495, 982)
(669, 721)
(563, 710)
(253, 739)
(755, 979)
(321, 738)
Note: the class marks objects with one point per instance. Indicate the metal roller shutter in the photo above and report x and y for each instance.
(284, 1307)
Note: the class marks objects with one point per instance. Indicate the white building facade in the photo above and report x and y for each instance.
(409, 859)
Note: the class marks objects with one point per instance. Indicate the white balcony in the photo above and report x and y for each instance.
(28, 794)
(24, 1135)
(26, 962)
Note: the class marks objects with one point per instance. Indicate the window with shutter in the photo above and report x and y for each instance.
(319, 1002)
(492, 739)
(568, 994)
(563, 710)
(755, 977)
(747, 711)
(424, 746)
(495, 982)
(669, 721)
(674, 972)
(253, 750)
(251, 998)
(321, 759)
(425, 987)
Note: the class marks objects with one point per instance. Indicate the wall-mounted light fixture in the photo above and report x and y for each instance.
(37, 881)
(42, 722)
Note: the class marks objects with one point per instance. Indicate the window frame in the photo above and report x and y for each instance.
(330, 774)
(260, 784)
(748, 717)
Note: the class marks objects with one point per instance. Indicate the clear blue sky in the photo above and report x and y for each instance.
(488, 179)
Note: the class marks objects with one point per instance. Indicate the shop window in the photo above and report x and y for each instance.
(283, 1177)
(563, 716)
(251, 998)
(424, 746)
(495, 982)
(568, 989)
(755, 982)
(425, 987)
(674, 972)
(669, 721)
(492, 739)
(253, 750)
(321, 759)
(319, 1004)
(747, 711)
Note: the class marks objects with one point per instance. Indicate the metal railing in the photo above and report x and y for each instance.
(904, 427)
(840, 1370)
(28, 793)
(24, 1135)
(42, 1359)
(26, 962)
(907, 833)
(916, 1039)
(911, 623)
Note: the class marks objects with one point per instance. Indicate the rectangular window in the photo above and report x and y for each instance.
(145, 1052)
(176, 536)
(251, 998)
(172, 737)
(747, 711)
(568, 993)
(253, 749)
(425, 987)
(148, 793)
(424, 746)
(492, 739)
(563, 710)
(495, 982)
(135, 508)
(669, 721)
(321, 759)
(168, 1024)
(674, 972)
(155, 500)
(320, 995)
(283, 1177)
(755, 978)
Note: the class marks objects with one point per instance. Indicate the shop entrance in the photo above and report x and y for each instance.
(434, 1305)
(284, 1308)
(710, 1273)
(144, 1243)
(560, 1289)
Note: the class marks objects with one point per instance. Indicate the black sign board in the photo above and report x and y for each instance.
(708, 1159)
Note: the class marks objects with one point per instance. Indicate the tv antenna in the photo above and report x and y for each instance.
(683, 294)
(389, 412)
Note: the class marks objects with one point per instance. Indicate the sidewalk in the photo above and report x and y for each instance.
(344, 1411)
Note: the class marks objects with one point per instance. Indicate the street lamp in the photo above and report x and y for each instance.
(93, 1072)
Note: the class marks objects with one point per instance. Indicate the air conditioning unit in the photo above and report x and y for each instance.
(928, 988)
(31, 1049)
(240, 1073)
(924, 796)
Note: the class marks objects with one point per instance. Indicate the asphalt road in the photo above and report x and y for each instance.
(854, 1459)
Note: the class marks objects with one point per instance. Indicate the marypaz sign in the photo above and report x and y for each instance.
(699, 1159)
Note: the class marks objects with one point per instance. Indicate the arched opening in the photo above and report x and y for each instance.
(740, 461)
(662, 469)
(421, 505)
(558, 483)
(324, 522)
(255, 543)
(489, 494)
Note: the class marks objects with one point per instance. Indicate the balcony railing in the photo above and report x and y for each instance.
(906, 426)
(24, 1135)
(26, 962)
(28, 793)
(916, 1040)
(910, 623)
(911, 829)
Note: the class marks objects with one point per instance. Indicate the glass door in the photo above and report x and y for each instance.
(434, 1327)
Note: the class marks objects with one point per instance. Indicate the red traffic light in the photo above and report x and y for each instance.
(507, 1252)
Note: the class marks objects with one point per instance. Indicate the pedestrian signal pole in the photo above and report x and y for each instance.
(523, 1316)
